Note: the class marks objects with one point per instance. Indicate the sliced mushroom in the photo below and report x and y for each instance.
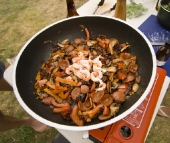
(60, 45)
(85, 106)
(114, 108)
(125, 47)
(112, 43)
(114, 85)
(109, 69)
(65, 41)
(108, 62)
(108, 85)
(94, 111)
(91, 43)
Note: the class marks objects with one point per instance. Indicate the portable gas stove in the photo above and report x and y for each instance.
(133, 128)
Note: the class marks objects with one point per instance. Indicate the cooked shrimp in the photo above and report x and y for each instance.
(76, 66)
(85, 74)
(79, 74)
(96, 76)
(80, 57)
(76, 60)
(97, 61)
(86, 64)
(102, 86)
(41, 82)
(96, 67)
(69, 70)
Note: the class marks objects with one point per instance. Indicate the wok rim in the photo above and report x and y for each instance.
(90, 127)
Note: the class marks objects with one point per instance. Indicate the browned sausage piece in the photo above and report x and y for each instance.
(69, 49)
(84, 89)
(73, 54)
(77, 41)
(63, 64)
(133, 67)
(81, 47)
(75, 92)
(47, 100)
(130, 77)
(97, 96)
(119, 97)
(107, 101)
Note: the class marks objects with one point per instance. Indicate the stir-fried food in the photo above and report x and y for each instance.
(87, 78)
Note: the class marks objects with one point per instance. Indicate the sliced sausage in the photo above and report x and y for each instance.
(130, 77)
(81, 47)
(119, 97)
(63, 64)
(107, 101)
(84, 89)
(133, 67)
(75, 93)
(97, 96)
(77, 41)
(125, 88)
(69, 49)
(47, 100)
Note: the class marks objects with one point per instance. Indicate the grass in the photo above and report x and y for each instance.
(20, 20)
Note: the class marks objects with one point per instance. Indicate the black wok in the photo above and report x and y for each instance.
(34, 52)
